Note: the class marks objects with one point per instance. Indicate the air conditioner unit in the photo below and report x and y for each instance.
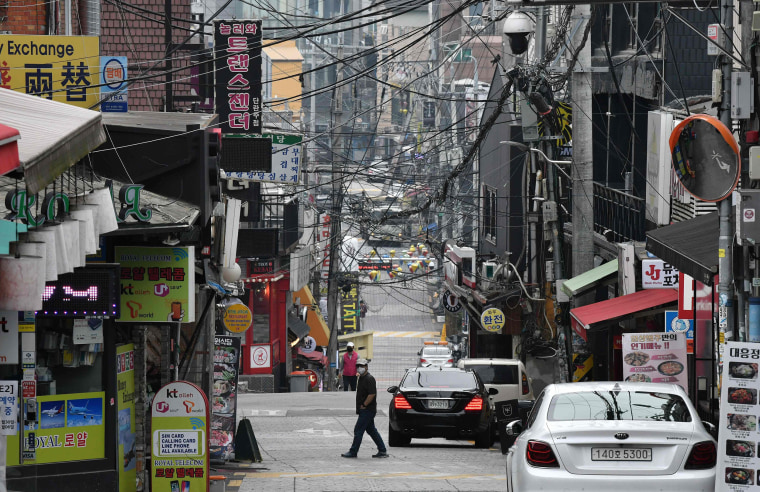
(487, 270)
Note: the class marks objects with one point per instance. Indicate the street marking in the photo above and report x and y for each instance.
(268, 413)
(322, 432)
(407, 334)
(405, 475)
(235, 483)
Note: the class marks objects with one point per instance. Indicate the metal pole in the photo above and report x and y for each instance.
(169, 65)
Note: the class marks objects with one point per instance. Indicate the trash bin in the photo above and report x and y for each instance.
(299, 381)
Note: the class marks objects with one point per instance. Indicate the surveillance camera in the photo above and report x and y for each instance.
(518, 27)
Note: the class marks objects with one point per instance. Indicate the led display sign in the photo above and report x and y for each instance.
(89, 291)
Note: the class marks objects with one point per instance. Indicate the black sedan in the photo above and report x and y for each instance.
(440, 402)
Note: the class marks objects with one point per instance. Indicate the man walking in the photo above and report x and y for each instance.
(349, 367)
(366, 408)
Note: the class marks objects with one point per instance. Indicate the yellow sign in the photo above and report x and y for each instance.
(61, 68)
(26, 328)
(237, 318)
(492, 319)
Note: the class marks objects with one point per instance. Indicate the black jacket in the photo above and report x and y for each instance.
(365, 387)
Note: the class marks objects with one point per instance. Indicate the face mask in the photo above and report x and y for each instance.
(361, 370)
(350, 349)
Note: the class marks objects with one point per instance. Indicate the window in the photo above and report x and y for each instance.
(496, 374)
(439, 379)
(489, 213)
(618, 405)
(534, 411)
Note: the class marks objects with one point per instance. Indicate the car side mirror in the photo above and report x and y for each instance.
(493, 391)
(710, 428)
(392, 389)
(514, 428)
(420, 352)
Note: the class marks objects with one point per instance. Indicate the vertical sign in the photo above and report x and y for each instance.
(223, 414)
(349, 308)
(674, 324)
(125, 394)
(656, 274)
(113, 88)
(179, 419)
(324, 241)
(738, 435)
(237, 51)
(8, 408)
(8, 337)
(655, 358)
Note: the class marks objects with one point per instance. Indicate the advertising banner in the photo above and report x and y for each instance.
(8, 408)
(60, 68)
(738, 435)
(113, 91)
(237, 51)
(179, 420)
(157, 284)
(8, 337)
(224, 407)
(125, 393)
(70, 428)
(349, 309)
(655, 358)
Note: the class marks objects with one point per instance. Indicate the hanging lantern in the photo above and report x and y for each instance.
(23, 283)
(414, 266)
(374, 275)
(393, 253)
(372, 253)
(46, 236)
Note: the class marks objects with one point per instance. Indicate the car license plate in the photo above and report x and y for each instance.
(621, 454)
(439, 404)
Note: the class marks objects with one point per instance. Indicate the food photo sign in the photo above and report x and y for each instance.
(223, 415)
(738, 461)
(655, 358)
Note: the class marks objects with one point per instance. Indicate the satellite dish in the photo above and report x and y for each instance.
(705, 157)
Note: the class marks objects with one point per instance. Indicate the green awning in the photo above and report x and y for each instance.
(590, 279)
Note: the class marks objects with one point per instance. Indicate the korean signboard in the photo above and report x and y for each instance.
(125, 395)
(738, 435)
(655, 358)
(237, 318)
(492, 319)
(349, 307)
(179, 420)
(8, 408)
(323, 238)
(286, 162)
(237, 51)
(226, 363)
(8, 337)
(113, 80)
(60, 68)
(674, 324)
(656, 274)
(157, 284)
(69, 428)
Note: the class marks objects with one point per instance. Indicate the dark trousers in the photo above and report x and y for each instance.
(349, 381)
(366, 422)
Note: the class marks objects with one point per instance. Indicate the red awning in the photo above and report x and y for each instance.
(8, 149)
(585, 317)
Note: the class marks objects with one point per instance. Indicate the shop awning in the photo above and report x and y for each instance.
(8, 149)
(587, 317)
(297, 327)
(691, 246)
(54, 135)
(320, 332)
(590, 279)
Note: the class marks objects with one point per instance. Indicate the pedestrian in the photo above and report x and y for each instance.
(366, 408)
(348, 367)
(363, 308)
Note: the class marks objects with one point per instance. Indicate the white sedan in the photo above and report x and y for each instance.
(607, 436)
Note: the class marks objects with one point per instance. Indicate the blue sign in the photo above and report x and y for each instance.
(113, 89)
(674, 324)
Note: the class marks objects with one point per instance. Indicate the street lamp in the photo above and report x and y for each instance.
(525, 148)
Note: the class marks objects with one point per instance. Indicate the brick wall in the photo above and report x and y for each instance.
(142, 41)
(23, 17)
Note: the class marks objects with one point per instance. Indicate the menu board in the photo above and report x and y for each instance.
(738, 436)
(226, 364)
(655, 358)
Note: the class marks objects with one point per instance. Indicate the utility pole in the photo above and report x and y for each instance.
(336, 153)
(583, 165)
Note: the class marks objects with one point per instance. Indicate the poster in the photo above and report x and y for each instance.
(70, 428)
(8, 408)
(224, 408)
(738, 435)
(655, 358)
(88, 330)
(157, 284)
(179, 419)
(125, 396)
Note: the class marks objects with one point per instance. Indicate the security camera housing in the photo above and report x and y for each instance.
(518, 27)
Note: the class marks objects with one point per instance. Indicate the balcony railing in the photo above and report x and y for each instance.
(618, 215)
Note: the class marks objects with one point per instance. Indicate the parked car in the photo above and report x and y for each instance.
(506, 375)
(439, 402)
(435, 354)
(612, 436)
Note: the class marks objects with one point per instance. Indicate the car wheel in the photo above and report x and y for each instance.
(483, 439)
(396, 439)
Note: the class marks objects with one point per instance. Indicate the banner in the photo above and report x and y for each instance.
(8, 337)
(125, 395)
(70, 428)
(655, 358)
(224, 407)
(738, 435)
(60, 68)
(157, 284)
(8, 408)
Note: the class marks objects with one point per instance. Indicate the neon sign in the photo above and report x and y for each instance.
(90, 291)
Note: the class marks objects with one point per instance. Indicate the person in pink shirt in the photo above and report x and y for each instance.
(348, 368)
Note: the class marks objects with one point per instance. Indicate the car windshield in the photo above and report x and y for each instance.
(439, 379)
(436, 351)
(498, 374)
(618, 405)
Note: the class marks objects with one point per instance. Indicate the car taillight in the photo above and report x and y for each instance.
(450, 361)
(475, 405)
(703, 455)
(423, 361)
(525, 387)
(540, 454)
(400, 403)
